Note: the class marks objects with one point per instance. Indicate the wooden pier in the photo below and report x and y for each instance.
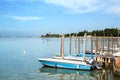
(106, 60)
(103, 47)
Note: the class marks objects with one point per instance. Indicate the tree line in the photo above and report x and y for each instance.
(115, 32)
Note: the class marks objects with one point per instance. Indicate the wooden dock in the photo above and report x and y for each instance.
(104, 46)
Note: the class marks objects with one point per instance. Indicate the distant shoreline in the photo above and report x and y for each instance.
(111, 32)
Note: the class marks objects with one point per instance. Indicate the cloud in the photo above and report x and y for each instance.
(113, 7)
(24, 18)
(83, 6)
(77, 6)
(87, 6)
(115, 10)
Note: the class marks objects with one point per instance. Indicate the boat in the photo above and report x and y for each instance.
(65, 63)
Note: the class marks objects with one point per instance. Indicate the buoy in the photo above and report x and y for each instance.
(24, 52)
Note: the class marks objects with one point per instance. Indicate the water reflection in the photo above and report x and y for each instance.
(68, 74)
(53, 71)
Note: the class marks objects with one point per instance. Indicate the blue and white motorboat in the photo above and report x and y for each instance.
(65, 63)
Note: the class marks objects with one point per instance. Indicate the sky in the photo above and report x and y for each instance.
(57, 16)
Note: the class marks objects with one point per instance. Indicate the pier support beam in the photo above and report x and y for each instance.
(78, 45)
(62, 47)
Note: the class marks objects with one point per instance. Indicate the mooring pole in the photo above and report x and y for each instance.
(62, 47)
(112, 44)
(96, 46)
(108, 46)
(70, 44)
(75, 50)
(78, 44)
(103, 44)
(84, 46)
(91, 47)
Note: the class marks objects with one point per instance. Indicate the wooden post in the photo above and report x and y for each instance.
(78, 45)
(75, 50)
(96, 46)
(62, 47)
(112, 44)
(108, 45)
(84, 46)
(118, 38)
(70, 44)
(103, 44)
(118, 41)
(91, 47)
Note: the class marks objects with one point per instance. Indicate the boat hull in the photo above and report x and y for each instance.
(65, 64)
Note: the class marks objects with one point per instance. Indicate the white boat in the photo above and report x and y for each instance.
(65, 63)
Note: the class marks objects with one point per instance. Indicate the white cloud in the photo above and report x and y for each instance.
(115, 10)
(113, 7)
(87, 6)
(24, 18)
(78, 6)
(84, 6)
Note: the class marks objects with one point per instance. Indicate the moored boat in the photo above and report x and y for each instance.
(65, 63)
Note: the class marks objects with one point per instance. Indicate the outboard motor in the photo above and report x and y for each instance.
(93, 63)
(90, 61)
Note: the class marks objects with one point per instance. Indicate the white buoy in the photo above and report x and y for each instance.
(24, 52)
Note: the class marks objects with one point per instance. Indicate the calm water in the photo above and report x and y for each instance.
(19, 61)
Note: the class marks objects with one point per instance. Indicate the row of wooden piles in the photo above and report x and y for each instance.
(106, 58)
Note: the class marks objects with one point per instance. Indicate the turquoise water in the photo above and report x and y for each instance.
(19, 61)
